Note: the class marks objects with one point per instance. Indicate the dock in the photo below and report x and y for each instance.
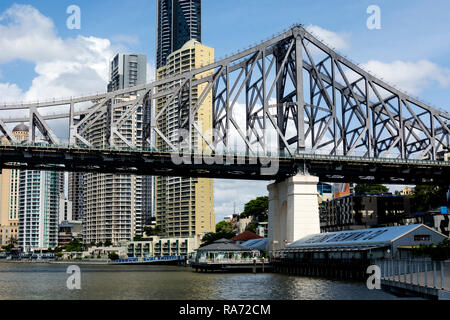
(151, 260)
(232, 266)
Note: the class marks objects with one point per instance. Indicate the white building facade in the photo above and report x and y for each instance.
(39, 209)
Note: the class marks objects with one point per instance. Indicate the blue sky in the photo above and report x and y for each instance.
(412, 48)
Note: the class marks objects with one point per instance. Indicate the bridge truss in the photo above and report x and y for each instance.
(289, 95)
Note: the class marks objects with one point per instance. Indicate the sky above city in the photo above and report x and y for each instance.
(41, 58)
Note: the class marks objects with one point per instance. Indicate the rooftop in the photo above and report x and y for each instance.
(246, 235)
(223, 245)
(373, 236)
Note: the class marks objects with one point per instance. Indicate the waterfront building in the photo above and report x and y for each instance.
(9, 193)
(127, 70)
(374, 243)
(38, 209)
(226, 255)
(359, 211)
(184, 207)
(162, 246)
(256, 244)
(178, 21)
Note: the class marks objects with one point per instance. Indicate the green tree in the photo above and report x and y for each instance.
(108, 243)
(370, 188)
(137, 238)
(251, 227)
(113, 256)
(8, 247)
(223, 226)
(74, 246)
(258, 207)
(213, 236)
(152, 231)
(429, 197)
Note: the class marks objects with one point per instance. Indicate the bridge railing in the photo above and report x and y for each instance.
(420, 272)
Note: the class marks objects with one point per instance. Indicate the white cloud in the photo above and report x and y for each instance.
(64, 67)
(10, 93)
(338, 41)
(412, 77)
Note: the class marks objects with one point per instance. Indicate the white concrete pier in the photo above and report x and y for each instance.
(293, 210)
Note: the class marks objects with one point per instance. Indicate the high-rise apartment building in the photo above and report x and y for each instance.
(178, 21)
(112, 203)
(127, 70)
(111, 206)
(38, 209)
(184, 206)
(9, 193)
(75, 196)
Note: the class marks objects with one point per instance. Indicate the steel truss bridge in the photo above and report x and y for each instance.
(290, 99)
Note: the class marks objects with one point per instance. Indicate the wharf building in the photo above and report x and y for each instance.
(184, 207)
(347, 254)
(111, 205)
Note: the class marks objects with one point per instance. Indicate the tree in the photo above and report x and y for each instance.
(152, 231)
(108, 243)
(429, 197)
(370, 188)
(74, 246)
(214, 236)
(113, 256)
(223, 226)
(251, 227)
(258, 207)
(8, 247)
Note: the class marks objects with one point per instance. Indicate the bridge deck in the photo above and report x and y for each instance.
(150, 162)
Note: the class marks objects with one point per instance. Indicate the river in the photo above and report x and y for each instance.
(20, 281)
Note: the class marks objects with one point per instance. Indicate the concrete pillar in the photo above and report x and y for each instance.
(293, 210)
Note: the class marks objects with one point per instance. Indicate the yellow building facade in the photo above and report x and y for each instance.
(184, 207)
(9, 194)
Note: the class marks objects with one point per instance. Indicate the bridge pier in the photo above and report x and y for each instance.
(293, 210)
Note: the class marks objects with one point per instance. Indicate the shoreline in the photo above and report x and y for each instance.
(58, 262)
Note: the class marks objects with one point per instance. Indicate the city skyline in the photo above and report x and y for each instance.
(412, 65)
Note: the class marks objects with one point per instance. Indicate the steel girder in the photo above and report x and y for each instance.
(291, 94)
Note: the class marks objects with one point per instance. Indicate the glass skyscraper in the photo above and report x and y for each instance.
(178, 22)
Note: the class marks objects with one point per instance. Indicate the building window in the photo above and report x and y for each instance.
(422, 237)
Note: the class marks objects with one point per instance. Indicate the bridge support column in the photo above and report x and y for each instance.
(293, 210)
